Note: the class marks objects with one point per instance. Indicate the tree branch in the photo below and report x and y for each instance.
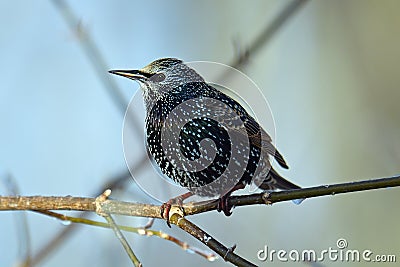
(153, 211)
(113, 225)
(303, 193)
(143, 231)
(226, 253)
(108, 206)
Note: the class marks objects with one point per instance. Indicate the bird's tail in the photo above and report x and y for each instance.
(275, 181)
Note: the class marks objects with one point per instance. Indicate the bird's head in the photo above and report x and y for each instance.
(161, 76)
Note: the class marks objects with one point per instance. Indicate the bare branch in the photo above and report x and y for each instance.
(226, 253)
(303, 193)
(154, 211)
(144, 231)
(99, 200)
(40, 203)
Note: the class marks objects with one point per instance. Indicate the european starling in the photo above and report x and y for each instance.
(200, 137)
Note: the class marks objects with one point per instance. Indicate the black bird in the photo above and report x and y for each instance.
(201, 138)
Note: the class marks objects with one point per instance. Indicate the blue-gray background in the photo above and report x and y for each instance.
(331, 76)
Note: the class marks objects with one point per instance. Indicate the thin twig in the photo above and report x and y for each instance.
(143, 231)
(99, 210)
(123, 240)
(117, 181)
(149, 224)
(226, 253)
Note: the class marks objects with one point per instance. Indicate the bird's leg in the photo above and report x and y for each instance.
(223, 204)
(166, 207)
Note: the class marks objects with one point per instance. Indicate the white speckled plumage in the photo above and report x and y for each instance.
(173, 89)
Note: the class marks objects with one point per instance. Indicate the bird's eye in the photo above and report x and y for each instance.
(158, 77)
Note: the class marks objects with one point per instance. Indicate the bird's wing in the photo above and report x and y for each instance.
(256, 134)
(264, 142)
(227, 110)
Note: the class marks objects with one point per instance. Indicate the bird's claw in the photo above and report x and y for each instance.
(224, 206)
(166, 208)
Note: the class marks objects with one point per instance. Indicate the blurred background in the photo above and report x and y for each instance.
(330, 75)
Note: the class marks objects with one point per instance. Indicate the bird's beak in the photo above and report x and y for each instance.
(131, 74)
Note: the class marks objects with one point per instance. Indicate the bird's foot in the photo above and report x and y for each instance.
(224, 206)
(223, 203)
(166, 207)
